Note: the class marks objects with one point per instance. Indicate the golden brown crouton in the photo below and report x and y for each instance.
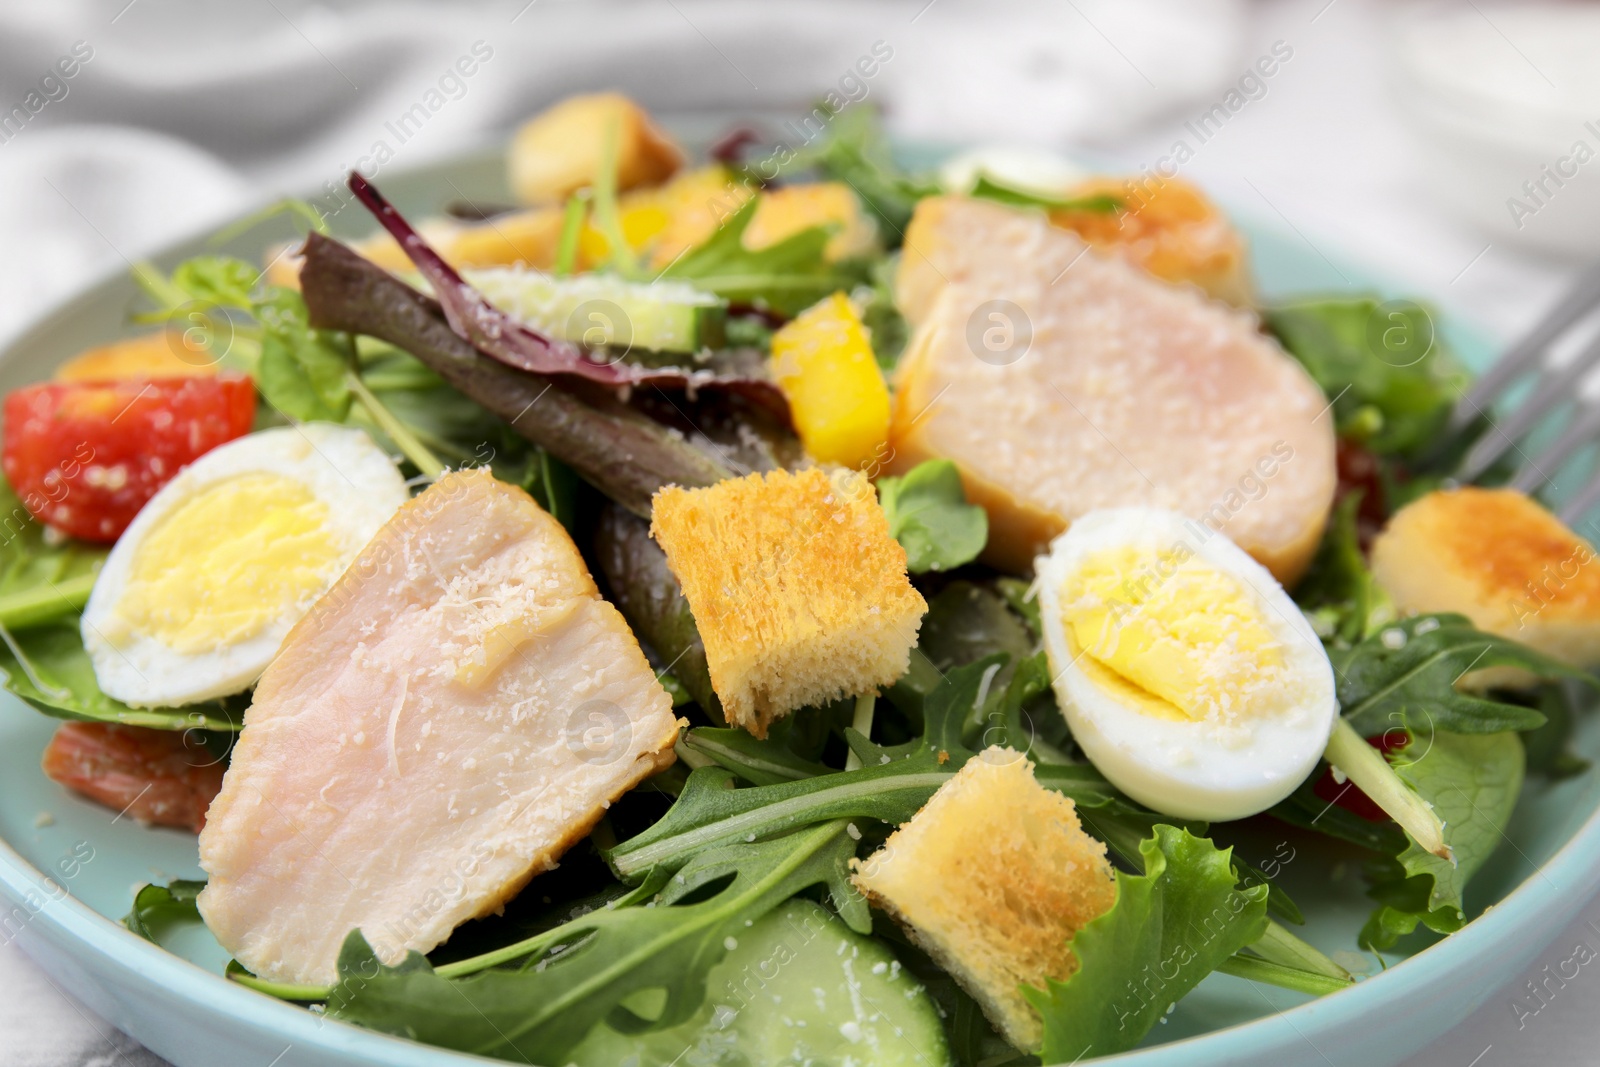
(993, 878)
(1499, 558)
(1170, 228)
(557, 152)
(799, 592)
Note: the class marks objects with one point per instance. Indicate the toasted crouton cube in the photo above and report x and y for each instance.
(558, 151)
(799, 592)
(1171, 229)
(993, 878)
(1499, 558)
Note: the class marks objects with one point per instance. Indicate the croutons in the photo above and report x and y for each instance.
(1169, 228)
(789, 209)
(993, 878)
(799, 592)
(558, 151)
(708, 197)
(1060, 381)
(1499, 558)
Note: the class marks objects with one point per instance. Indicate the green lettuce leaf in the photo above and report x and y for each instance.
(787, 277)
(987, 188)
(1169, 928)
(1339, 593)
(304, 373)
(585, 971)
(856, 150)
(48, 668)
(1391, 379)
(40, 582)
(158, 908)
(930, 517)
(892, 785)
(1405, 674)
(1473, 782)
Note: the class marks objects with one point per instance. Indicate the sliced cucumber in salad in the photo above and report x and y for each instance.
(798, 987)
(603, 310)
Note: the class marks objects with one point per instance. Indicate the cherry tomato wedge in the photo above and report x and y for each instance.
(86, 456)
(162, 777)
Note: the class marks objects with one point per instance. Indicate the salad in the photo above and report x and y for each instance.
(700, 617)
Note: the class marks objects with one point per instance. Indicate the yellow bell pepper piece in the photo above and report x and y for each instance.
(824, 364)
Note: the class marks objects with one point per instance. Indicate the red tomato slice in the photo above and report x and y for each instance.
(162, 777)
(86, 456)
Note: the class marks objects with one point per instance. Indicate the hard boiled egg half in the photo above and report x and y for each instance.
(206, 582)
(1187, 675)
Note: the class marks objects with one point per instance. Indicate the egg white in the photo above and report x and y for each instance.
(339, 466)
(1199, 769)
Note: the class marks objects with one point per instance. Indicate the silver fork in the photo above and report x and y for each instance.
(1558, 382)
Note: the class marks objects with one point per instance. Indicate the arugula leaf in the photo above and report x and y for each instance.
(929, 515)
(787, 277)
(966, 622)
(1303, 808)
(40, 582)
(48, 668)
(1018, 596)
(1405, 675)
(1391, 378)
(304, 373)
(220, 280)
(586, 970)
(892, 784)
(987, 188)
(856, 151)
(1339, 593)
(1168, 929)
(1473, 782)
(759, 762)
(158, 908)
(1549, 748)
(886, 326)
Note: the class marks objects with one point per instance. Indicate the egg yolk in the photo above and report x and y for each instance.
(1170, 636)
(228, 562)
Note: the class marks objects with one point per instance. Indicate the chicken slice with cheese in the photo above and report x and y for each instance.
(1062, 380)
(453, 714)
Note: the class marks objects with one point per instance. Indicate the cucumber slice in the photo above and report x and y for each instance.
(602, 310)
(799, 987)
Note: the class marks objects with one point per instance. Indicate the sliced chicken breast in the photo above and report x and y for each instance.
(457, 710)
(1061, 380)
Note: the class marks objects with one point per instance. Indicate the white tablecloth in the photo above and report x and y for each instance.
(237, 102)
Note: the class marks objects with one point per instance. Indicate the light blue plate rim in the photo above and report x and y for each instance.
(1368, 1015)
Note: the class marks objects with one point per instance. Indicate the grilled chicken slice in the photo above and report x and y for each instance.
(459, 708)
(1061, 380)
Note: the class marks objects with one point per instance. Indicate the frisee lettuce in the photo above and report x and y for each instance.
(1169, 928)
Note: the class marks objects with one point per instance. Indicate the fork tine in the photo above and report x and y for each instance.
(1581, 430)
(1582, 502)
(1525, 354)
(1552, 390)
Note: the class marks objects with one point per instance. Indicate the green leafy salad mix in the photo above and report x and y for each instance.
(716, 912)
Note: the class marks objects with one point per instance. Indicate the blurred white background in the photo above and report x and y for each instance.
(1400, 135)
